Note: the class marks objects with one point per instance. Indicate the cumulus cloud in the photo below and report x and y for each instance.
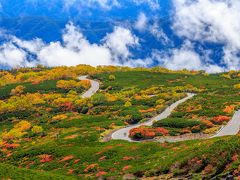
(214, 21)
(11, 56)
(185, 57)
(74, 49)
(119, 43)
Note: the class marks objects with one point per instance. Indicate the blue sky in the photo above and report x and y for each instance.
(177, 34)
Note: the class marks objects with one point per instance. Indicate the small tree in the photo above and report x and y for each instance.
(37, 129)
(128, 104)
(237, 86)
(111, 77)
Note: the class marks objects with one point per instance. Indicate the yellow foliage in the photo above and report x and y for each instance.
(18, 130)
(23, 125)
(37, 129)
(227, 76)
(60, 117)
(160, 101)
(236, 86)
(128, 104)
(111, 97)
(81, 102)
(67, 84)
(51, 97)
(61, 101)
(111, 77)
(86, 84)
(36, 98)
(17, 90)
(12, 134)
(211, 130)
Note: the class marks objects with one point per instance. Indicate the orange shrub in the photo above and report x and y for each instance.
(147, 110)
(208, 123)
(229, 109)
(220, 119)
(91, 167)
(67, 158)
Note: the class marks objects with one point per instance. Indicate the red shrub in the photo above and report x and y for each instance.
(127, 158)
(11, 146)
(162, 131)
(70, 171)
(101, 173)
(45, 158)
(126, 168)
(68, 106)
(91, 167)
(67, 158)
(102, 158)
(145, 132)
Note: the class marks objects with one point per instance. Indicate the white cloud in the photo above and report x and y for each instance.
(74, 49)
(12, 56)
(141, 23)
(119, 42)
(213, 21)
(185, 57)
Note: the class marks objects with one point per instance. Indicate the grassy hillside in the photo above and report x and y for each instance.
(49, 131)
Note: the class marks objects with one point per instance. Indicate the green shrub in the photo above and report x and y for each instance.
(176, 123)
(98, 99)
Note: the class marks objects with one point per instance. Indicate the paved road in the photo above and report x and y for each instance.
(122, 134)
(232, 128)
(94, 87)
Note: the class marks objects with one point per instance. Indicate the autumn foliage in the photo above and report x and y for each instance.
(145, 132)
(220, 119)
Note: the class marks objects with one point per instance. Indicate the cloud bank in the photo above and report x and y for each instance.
(74, 49)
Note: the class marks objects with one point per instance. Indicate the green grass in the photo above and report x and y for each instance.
(144, 159)
(10, 172)
(43, 87)
(176, 123)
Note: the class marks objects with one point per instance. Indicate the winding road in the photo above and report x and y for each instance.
(232, 128)
(123, 134)
(93, 89)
